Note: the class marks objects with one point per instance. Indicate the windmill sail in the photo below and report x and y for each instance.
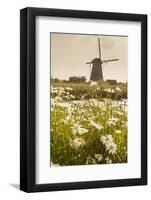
(99, 48)
(110, 60)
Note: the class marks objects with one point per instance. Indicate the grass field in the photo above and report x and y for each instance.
(95, 91)
(88, 124)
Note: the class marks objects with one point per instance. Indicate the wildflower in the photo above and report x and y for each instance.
(106, 139)
(58, 99)
(71, 96)
(94, 102)
(112, 121)
(117, 131)
(63, 105)
(124, 102)
(118, 89)
(67, 119)
(57, 90)
(76, 128)
(79, 103)
(54, 165)
(109, 90)
(93, 83)
(93, 161)
(68, 88)
(110, 146)
(53, 90)
(52, 101)
(97, 126)
(84, 119)
(70, 109)
(98, 88)
(90, 160)
(82, 131)
(108, 160)
(82, 97)
(77, 142)
(119, 113)
(99, 157)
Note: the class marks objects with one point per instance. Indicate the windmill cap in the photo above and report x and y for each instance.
(95, 60)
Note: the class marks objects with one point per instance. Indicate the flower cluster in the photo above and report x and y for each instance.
(107, 140)
(99, 157)
(77, 129)
(97, 126)
(77, 142)
(109, 90)
(112, 121)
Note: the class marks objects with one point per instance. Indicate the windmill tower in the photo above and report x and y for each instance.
(96, 72)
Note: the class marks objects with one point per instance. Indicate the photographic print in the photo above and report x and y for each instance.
(83, 99)
(89, 101)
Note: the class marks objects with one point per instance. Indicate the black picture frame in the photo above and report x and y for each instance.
(28, 99)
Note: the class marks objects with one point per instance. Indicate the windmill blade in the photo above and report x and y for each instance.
(89, 62)
(104, 61)
(99, 48)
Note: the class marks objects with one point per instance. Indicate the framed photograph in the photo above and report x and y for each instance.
(83, 99)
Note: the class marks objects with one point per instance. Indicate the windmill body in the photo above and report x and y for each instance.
(96, 72)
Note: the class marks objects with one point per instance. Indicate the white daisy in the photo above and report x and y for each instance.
(97, 126)
(77, 142)
(117, 131)
(108, 160)
(99, 157)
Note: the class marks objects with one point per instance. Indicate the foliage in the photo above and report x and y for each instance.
(76, 79)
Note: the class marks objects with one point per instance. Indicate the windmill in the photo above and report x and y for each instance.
(96, 72)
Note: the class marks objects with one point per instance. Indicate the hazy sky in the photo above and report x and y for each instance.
(70, 52)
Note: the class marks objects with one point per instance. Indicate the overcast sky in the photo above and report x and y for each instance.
(70, 52)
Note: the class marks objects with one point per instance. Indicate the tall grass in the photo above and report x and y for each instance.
(90, 130)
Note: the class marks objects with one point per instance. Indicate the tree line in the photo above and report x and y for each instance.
(72, 79)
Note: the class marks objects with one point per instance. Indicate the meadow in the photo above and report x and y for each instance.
(88, 123)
